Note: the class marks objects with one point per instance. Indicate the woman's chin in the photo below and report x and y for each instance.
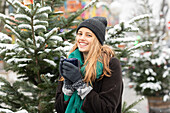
(83, 50)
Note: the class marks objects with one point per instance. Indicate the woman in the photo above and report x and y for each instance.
(96, 85)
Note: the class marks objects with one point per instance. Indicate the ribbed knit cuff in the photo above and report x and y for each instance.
(84, 90)
(67, 91)
(78, 84)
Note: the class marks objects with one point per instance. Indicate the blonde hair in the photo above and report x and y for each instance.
(96, 53)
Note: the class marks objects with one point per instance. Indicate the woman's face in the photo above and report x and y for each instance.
(85, 39)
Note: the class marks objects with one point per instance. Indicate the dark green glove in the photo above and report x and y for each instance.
(71, 72)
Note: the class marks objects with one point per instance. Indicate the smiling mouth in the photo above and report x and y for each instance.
(82, 44)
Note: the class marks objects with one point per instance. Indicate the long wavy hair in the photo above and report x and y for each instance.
(97, 52)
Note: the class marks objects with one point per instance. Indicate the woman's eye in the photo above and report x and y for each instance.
(89, 35)
(79, 33)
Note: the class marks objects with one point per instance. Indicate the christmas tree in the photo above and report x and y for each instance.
(34, 56)
(149, 67)
(122, 38)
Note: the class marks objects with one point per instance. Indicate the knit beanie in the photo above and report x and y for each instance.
(97, 25)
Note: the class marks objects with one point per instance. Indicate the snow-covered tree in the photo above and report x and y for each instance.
(122, 38)
(34, 56)
(149, 67)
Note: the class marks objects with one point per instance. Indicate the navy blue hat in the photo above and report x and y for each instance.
(97, 25)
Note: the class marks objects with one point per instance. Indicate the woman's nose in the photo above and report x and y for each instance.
(82, 37)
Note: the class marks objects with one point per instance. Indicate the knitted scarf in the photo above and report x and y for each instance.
(75, 102)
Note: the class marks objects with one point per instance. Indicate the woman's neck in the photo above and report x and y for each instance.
(85, 55)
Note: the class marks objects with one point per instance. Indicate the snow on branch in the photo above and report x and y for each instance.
(48, 50)
(55, 37)
(59, 12)
(39, 38)
(121, 28)
(22, 65)
(160, 60)
(10, 28)
(119, 40)
(166, 73)
(17, 60)
(49, 34)
(10, 1)
(19, 4)
(91, 3)
(24, 26)
(150, 85)
(39, 22)
(22, 16)
(130, 27)
(10, 54)
(4, 37)
(38, 27)
(3, 16)
(5, 47)
(44, 10)
(114, 30)
(49, 75)
(39, 16)
(142, 44)
(50, 62)
(9, 111)
(137, 18)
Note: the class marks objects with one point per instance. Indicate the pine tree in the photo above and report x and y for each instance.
(149, 68)
(122, 38)
(34, 56)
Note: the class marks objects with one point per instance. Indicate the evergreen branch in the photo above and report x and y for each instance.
(32, 24)
(45, 79)
(133, 104)
(140, 17)
(15, 98)
(5, 18)
(11, 4)
(32, 27)
(124, 106)
(78, 13)
(42, 3)
(66, 33)
(35, 11)
(48, 36)
(24, 8)
(44, 10)
(142, 44)
(10, 90)
(4, 81)
(13, 30)
(52, 4)
(13, 21)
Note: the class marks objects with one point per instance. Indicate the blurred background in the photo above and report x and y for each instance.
(118, 13)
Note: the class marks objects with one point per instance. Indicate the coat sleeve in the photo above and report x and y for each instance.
(60, 104)
(108, 99)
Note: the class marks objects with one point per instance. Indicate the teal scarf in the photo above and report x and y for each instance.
(75, 102)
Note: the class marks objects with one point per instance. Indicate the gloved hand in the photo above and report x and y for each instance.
(71, 72)
(67, 83)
